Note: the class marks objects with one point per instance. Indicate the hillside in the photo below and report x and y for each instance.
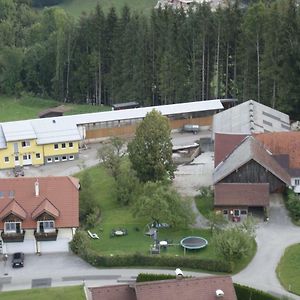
(76, 7)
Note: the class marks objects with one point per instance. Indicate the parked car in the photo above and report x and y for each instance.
(18, 171)
(18, 260)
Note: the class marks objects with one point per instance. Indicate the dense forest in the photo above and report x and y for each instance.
(171, 57)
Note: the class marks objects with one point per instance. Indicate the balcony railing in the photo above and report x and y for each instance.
(46, 236)
(13, 237)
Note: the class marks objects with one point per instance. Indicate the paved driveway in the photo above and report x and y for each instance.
(272, 239)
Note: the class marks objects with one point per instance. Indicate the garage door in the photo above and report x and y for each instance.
(60, 245)
(28, 246)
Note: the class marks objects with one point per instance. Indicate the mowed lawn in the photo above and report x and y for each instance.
(288, 269)
(60, 293)
(27, 107)
(76, 7)
(114, 216)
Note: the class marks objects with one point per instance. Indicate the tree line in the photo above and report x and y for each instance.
(170, 57)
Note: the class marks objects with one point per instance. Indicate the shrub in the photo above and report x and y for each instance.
(142, 277)
(138, 259)
(80, 243)
(292, 203)
(248, 293)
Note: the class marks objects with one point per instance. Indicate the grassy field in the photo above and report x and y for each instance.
(114, 216)
(76, 7)
(12, 109)
(60, 293)
(288, 269)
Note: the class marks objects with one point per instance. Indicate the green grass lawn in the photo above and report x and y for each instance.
(27, 107)
(76, 7)
(205, 204)
(114, 216)
(288, 269)
(60, 293)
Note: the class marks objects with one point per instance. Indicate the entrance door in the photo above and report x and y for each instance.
(27, 159)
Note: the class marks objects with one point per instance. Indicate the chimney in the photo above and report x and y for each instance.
(37, 188)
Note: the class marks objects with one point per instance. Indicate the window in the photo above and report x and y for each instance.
(225, 211)
(25, 157)
(71, 145)
(64, 158)
(46, 226)
(16, 158)
(11, 194)
(297, 181)
(63, 145)
(6, 159)
(71, 157)
(55, 146)
(38, 155)
(25, 143)
(12, 227)
(56, 158)
(243, 212)
(49, 159)
(236, 212)
(1, 194)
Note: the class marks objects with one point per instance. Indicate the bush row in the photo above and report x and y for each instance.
(142, 277)
(247, 293)
(292, 203)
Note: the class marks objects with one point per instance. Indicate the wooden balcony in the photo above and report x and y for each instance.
(13, 237)
(46, 236)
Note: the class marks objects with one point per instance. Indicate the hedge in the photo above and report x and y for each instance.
(143, 277)
(247, 293)
(138, 259)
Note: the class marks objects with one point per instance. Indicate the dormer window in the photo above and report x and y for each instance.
(45, 226)
(12, 227)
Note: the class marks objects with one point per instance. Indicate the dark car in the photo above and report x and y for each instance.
(18, 260)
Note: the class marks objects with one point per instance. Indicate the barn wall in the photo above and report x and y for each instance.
(252, 172)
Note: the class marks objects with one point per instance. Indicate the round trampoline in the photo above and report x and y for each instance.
(193, 242)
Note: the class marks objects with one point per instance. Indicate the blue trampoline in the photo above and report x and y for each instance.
(193, 242)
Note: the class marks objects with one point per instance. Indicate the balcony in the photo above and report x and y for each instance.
(13, 237)
(45, 236)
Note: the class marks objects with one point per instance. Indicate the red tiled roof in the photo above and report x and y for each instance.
(200, 288)
(45, 206)
(113, 292)
(61, 192)
(224, 145)
(15, 208)
(241, 194)
(283, 143)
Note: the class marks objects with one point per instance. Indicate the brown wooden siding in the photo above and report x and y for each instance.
(252, 172)
(130, 129)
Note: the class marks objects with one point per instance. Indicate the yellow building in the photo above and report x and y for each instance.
(37, 142)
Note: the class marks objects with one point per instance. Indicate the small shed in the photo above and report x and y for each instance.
(52, 112)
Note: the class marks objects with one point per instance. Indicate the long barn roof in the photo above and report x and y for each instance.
(64, 128)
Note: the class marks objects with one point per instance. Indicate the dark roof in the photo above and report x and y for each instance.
(59, 110)
(241, 194)
(250, 149)
(224, 145)
(200, 288)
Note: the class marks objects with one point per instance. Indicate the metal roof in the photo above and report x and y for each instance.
(2, 139)
(64, 128)
(55, 130)
(138, 113)
(18, 130)
(250, 117)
